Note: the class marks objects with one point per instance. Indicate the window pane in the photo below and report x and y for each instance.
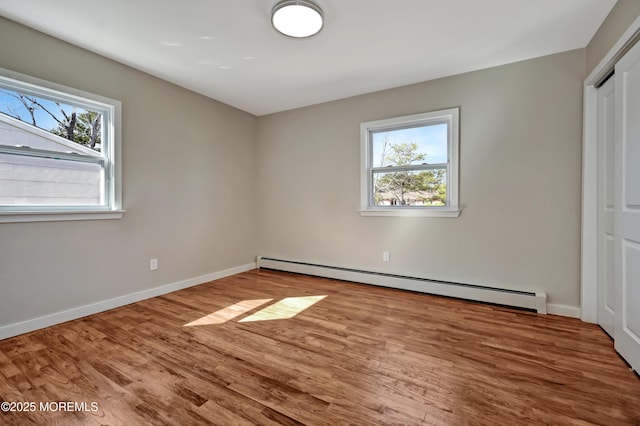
(410, 188)
(37, 122)
(409, 146)
(33, 181)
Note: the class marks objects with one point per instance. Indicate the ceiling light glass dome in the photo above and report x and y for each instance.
(297, 18)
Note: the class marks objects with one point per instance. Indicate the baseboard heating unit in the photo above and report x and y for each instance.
(536, 301)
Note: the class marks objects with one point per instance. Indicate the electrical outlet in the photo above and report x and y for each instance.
(385, 256)
(153, 264)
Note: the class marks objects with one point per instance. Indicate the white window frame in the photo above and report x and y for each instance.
(450, 209)
(110, 159)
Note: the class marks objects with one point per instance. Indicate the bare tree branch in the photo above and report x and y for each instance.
(27, 103)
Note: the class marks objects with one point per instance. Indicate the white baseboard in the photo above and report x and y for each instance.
(535, 300)
(83, 311)
(563, 310)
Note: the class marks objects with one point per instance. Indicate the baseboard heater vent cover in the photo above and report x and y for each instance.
(520, 299)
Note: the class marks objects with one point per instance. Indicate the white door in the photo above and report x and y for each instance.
(627, 208)
(606, 197)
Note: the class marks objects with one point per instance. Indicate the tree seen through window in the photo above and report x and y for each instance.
(71, 122)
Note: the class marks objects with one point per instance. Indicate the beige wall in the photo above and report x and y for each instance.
(620, 18)
(188, 173)
(520, 181)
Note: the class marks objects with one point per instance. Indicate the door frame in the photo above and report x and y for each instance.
(589, 242)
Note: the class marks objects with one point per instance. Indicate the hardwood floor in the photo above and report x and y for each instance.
(361, 355)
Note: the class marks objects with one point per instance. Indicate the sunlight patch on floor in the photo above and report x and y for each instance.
(286, 308)
(229, 313)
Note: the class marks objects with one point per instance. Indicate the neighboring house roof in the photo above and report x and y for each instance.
(413, 195)
(14, 132)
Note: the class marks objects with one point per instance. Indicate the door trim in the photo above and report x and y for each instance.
(589, 244)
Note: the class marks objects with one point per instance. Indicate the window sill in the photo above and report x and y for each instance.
(410, 212)
(58, 216)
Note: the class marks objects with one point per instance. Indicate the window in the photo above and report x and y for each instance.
(59, 152)
(410, 165)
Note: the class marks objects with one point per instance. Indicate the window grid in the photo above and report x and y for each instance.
(424, 200)
(104, 155)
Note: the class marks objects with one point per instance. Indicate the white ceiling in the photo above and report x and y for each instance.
(227, 49)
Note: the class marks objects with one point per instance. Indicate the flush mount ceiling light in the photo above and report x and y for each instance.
(297, 18)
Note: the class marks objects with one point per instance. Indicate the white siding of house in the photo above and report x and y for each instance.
(36, 181)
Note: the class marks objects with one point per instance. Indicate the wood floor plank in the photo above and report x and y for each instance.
(361, 355)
